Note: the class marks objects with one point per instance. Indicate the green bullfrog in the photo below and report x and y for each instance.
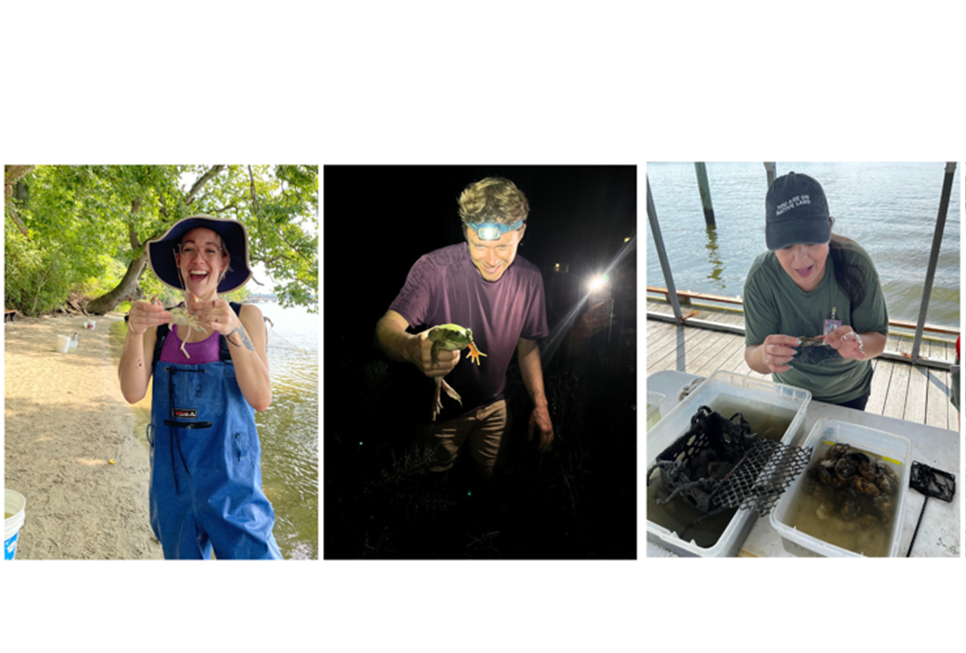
(451, 337)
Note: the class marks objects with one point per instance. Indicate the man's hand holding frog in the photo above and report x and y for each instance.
(422, 357)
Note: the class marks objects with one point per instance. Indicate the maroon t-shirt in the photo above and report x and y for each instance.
(444, 287)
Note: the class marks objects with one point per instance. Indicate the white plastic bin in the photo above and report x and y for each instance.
(654, 401)
(894, 448)
(718, 390)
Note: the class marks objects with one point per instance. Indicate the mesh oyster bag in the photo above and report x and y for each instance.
(718, 463)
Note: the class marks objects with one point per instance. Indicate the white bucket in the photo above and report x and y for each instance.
(63, 344)
(13, 505)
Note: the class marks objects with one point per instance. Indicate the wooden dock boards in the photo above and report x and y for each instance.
(695, 351)
(672, 353)
(938, 407)
(899, 385)
(728, 350)
(912, 393)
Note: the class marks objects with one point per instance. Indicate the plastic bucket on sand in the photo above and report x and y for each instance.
(13, 513)
(63, 344)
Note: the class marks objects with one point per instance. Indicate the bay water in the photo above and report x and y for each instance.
(289, 429)
(890, 209)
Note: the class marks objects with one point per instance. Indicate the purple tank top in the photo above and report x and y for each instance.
(206, 351)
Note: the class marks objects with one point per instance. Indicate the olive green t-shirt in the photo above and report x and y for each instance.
(774, 304)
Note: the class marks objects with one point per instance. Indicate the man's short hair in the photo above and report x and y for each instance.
(494, 199)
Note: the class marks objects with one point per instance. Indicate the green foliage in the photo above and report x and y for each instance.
(279, 206)
(33, 280)
(76, 219)
(87, 224)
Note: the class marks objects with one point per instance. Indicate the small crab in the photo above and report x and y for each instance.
(811, 342)
(181, 316)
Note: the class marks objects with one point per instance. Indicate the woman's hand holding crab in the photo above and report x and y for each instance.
(846, 342)
(777, 352)
(146, 315)
(215, 315)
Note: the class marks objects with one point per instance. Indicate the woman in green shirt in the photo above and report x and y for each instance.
(813, 284)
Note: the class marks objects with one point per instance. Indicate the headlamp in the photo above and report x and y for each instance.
(493, 230)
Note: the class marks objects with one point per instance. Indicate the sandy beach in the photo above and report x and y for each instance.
(66, 421)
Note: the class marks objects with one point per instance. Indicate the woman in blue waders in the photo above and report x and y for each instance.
(206, 481)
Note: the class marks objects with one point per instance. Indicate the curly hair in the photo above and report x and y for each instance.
(494, 199)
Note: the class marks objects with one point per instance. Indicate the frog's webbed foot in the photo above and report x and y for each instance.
(449, 390)
(437, 400)
(475, 353)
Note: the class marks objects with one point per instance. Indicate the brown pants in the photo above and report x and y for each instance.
(480, 431)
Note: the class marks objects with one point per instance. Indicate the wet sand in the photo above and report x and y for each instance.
(66, 420)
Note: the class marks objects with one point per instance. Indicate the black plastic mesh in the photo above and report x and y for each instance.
(719, 463)
(932, 482)
(767, 471)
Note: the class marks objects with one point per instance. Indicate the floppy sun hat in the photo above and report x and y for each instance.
(796, 211)
(165, 267)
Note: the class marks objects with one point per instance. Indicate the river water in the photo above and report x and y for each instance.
(288, 430)
(890, 209)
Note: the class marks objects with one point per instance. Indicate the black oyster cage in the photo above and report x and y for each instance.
(719, 463)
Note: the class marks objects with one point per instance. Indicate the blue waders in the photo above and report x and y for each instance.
(206, 479)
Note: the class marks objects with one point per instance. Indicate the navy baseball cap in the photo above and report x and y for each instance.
(796, 211)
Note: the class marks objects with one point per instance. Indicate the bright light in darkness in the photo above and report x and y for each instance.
(598, 282)
(549, 347)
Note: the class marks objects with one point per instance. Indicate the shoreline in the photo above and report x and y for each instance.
(65, 422)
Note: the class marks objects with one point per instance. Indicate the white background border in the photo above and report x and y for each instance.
(472, 83)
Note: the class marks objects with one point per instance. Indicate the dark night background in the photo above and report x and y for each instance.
(576, 501)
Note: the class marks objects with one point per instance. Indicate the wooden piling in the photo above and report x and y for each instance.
(770, 172)
(705, 191)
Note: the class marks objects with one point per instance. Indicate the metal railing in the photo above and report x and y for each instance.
(920, 326)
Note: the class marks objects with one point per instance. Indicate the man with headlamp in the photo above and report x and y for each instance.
(482, 285)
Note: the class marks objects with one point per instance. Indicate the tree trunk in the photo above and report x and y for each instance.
(128, 290)
(12, 175)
